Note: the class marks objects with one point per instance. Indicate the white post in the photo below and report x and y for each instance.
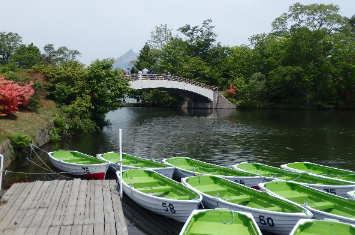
(120, 136)
(2, 166)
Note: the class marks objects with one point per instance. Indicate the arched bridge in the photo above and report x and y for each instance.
(199, 95)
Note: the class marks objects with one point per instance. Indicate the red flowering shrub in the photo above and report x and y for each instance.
(231, 91)
(12, 95)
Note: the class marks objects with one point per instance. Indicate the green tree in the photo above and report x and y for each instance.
(106, 90)
(9, 42)
(27, 56)
(313, 16)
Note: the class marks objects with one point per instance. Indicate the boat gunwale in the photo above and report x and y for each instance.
(76, 164)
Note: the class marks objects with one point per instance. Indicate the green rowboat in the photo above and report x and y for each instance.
(133, 162)
(271, 214)
(185, 167)
(322, 227)
(159, 194)
(323, 205)
(337, 187)
(317, 169)
(211, 222)
(79, 164)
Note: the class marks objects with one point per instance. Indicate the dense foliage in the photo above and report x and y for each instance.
(308, 59)
(84, 94)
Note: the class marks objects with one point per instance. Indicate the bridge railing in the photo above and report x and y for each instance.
(169, 77)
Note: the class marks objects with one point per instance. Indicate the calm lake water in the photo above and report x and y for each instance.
(223, 137)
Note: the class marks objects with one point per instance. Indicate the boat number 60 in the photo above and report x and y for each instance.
(269, 221)
(86, 169)
(168, 207)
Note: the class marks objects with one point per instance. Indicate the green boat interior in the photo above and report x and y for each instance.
(323, 170)
(130, 160)
(76, 157)
(220, 222)
(274, 172)
(314, 198)
(157, 185)
(324, 227)
(239, 194)
(205, 168)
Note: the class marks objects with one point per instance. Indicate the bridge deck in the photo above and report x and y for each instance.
(62, 207)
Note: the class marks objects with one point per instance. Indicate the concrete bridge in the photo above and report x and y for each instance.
(199, 95)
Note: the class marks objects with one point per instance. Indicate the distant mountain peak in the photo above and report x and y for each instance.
(125, 60)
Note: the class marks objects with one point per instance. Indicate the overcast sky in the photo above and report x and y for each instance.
(101, 29)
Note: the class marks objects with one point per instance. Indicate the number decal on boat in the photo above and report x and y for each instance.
(168, 207)
(269, 221)
(86, 169)
(240, 182)
(331, 190)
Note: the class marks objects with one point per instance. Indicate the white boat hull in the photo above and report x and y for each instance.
(275, 222)
(351, 195)
(179, 210)
(92, 171)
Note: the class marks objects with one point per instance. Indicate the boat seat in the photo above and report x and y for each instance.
(237, 199)
(164, 188)
(212, 189)
(294, 196)
(322, 206)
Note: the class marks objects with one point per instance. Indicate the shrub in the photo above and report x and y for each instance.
(12, 95)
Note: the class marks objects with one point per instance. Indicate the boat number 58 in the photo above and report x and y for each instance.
(266, 221)
(168, 207)
(86, 169)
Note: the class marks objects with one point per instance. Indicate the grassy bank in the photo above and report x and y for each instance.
(27, 123)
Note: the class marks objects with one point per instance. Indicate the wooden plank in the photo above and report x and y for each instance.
(45, 203)
(88, 229)
(90, 204)
(62, 205)
(21, 220)
(79, 215)
(52, 206)
(44, 230)
(108, 204)
(71, 207)
(99, 202)
(110, 229)
(9, 198)
(99, 228)
(33, 207)
(120, 221)
(54, 230)
(16, 206)
(65, 229)
(77, 230)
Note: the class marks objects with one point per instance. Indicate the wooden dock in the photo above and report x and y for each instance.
(62, 207)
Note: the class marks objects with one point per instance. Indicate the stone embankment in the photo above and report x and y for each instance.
(41, 137)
